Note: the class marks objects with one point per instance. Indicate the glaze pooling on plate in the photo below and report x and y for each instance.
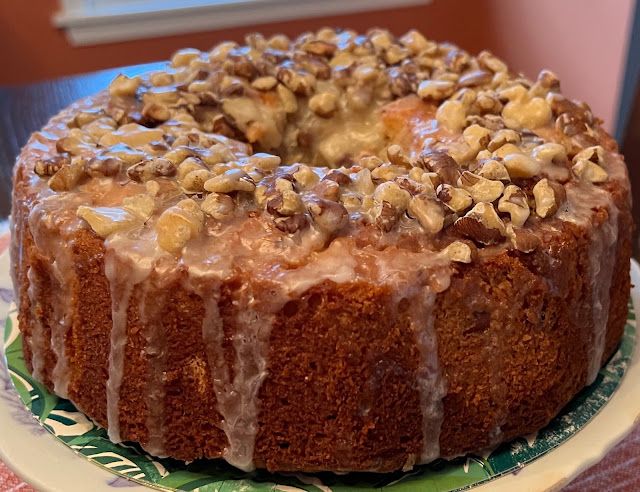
(61, 419)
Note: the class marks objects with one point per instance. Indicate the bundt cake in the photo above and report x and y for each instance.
(343, 252)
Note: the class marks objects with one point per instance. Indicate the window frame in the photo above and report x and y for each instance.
(89, 22)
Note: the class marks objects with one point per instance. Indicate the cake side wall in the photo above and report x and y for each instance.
(510, 372)
(341, 390)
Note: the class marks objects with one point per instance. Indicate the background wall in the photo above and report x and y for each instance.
(584, 41)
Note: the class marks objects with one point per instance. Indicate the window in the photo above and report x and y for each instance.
(100, 21)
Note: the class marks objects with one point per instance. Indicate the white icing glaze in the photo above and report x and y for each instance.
(417, 278)
(602, 257)
(430, 381)
(123, 275)
(63, 309)
(236, 397)
(46, 216)
(332, 264)
(239, 406)
(581, 201)
(151, 304)
(37, 341)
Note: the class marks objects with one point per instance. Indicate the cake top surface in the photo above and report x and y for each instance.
(290, 147)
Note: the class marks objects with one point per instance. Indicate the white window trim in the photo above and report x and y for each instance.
(86, 25)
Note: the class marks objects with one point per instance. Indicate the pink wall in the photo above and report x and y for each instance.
(583, 41)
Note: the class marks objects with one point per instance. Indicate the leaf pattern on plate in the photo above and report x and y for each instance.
(128, 460)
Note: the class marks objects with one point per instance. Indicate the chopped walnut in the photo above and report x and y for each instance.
(329, 130)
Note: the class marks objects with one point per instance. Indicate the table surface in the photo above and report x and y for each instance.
(25, 109)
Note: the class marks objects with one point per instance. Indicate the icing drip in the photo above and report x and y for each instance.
(236, 396)
(123, 276)
(45, 217)
(62, 308)
(581, 201)
(430, 381)
(418, 278)
(151, 304)
(213, 337)
(37, 341)
(238, 403)
(16, 251)
(602, 257)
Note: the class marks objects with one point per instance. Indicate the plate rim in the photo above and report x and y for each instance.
(49, 469)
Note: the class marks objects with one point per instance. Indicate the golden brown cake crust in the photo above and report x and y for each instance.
(515, 337)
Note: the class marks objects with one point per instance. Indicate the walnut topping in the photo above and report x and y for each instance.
(327, 130)
(48, 167)
(521, 166)
(492, 169)
(305, 177)
(67, 177)
(150, 169)
(392, 193)
(299, 82)
(436, 90)
(229, 181)
(452, 115)
(124, 86)
(457, 199)
(385, 216)
(323, 104)
(481, 224)
(514, 202)
(265, 162)
(428, 212)
(477, 137)
(178, 224)
(474, 78)
(133, 135)
(550, 153)
(590, 171)
(549, 196)
(265, 83)
(103, 166)
(327, 216)
(441, 163)
(502, 137)
(285, 202)
(459, 252)
(320, 48)
(594, 154)
(194, 181)
(185, 56)
(107, 220)
(415, 42)
(549, 80)
(523, 111)
(338, 176)
(481, 189)
(397, 156)
(489, 61)
(142, 205)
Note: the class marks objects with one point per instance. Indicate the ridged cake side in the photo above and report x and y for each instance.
(514, 336)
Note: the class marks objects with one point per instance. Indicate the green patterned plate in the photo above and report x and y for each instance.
(59, 417)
